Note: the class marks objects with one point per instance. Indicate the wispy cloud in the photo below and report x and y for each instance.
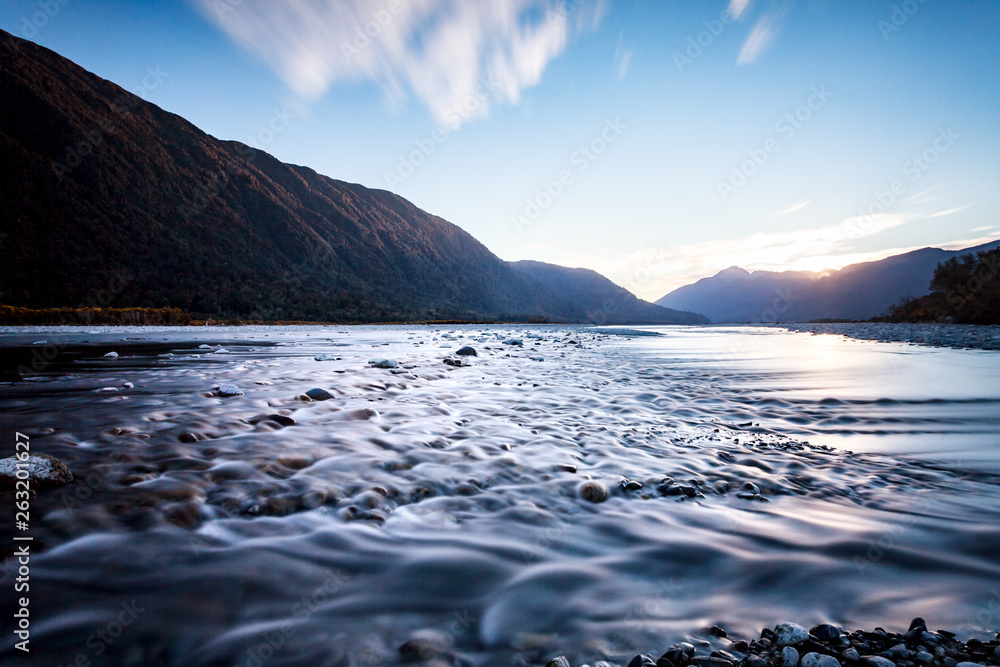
(441, 51)
(983, 229)
(941, 214)
(764, 31)
(623, 57)
(791, 209)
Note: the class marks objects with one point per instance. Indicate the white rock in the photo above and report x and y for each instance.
(229, 390)
(786, 634)
(127, 385)
(221, 350)
(43, 471)
(111, 354)
(203, 346)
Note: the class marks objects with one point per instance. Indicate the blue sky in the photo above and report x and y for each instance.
(655, 141)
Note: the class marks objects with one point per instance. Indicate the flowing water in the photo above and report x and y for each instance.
(437, 508)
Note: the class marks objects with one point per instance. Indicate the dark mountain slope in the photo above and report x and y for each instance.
(604, 301)
(103, 191)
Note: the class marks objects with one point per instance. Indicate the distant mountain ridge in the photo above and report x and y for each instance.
(108, 195)
(604, 301)
(855, 292)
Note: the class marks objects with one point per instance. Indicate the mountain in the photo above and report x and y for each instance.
(855, 292)
(604, 301)
(111, 200)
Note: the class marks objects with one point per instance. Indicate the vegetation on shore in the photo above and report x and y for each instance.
(965, 290)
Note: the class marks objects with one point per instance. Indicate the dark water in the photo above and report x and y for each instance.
(441, 504)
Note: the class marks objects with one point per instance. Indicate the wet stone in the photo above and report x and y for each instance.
(319, 394)
(819, 660)
(44, 472)
(594, 492)
(467, 351)
(787, 634)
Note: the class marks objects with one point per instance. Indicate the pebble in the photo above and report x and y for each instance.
(111, 354)
(229, 390)
(221, 350)
(514, 341)
(326, 357)
(789, 657)
(878, 661)
(819, 660)
(593, 491)
(851, 654)
(383, 363)
(923, 657)
(467, 351)
(204, 346)
(787, 634)
(319, 394)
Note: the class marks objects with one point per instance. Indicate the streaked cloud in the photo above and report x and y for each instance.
(447, 53)
(737, 7)
(791, 209)
(623, 57)
(941, 214)
(764, 32)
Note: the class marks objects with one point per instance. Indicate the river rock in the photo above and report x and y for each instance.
(825, 632)
(111, 355)
(789, 657)
(787, 634)
(383, 363)
(819, 660)
(229, 390)
(319, 394)
(467, 351)
(593, 491)
(44, 472)
(514, 341)
(878, 661)
(851, 654)
(560, 661)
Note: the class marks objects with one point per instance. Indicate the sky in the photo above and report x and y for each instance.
(655, 141)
